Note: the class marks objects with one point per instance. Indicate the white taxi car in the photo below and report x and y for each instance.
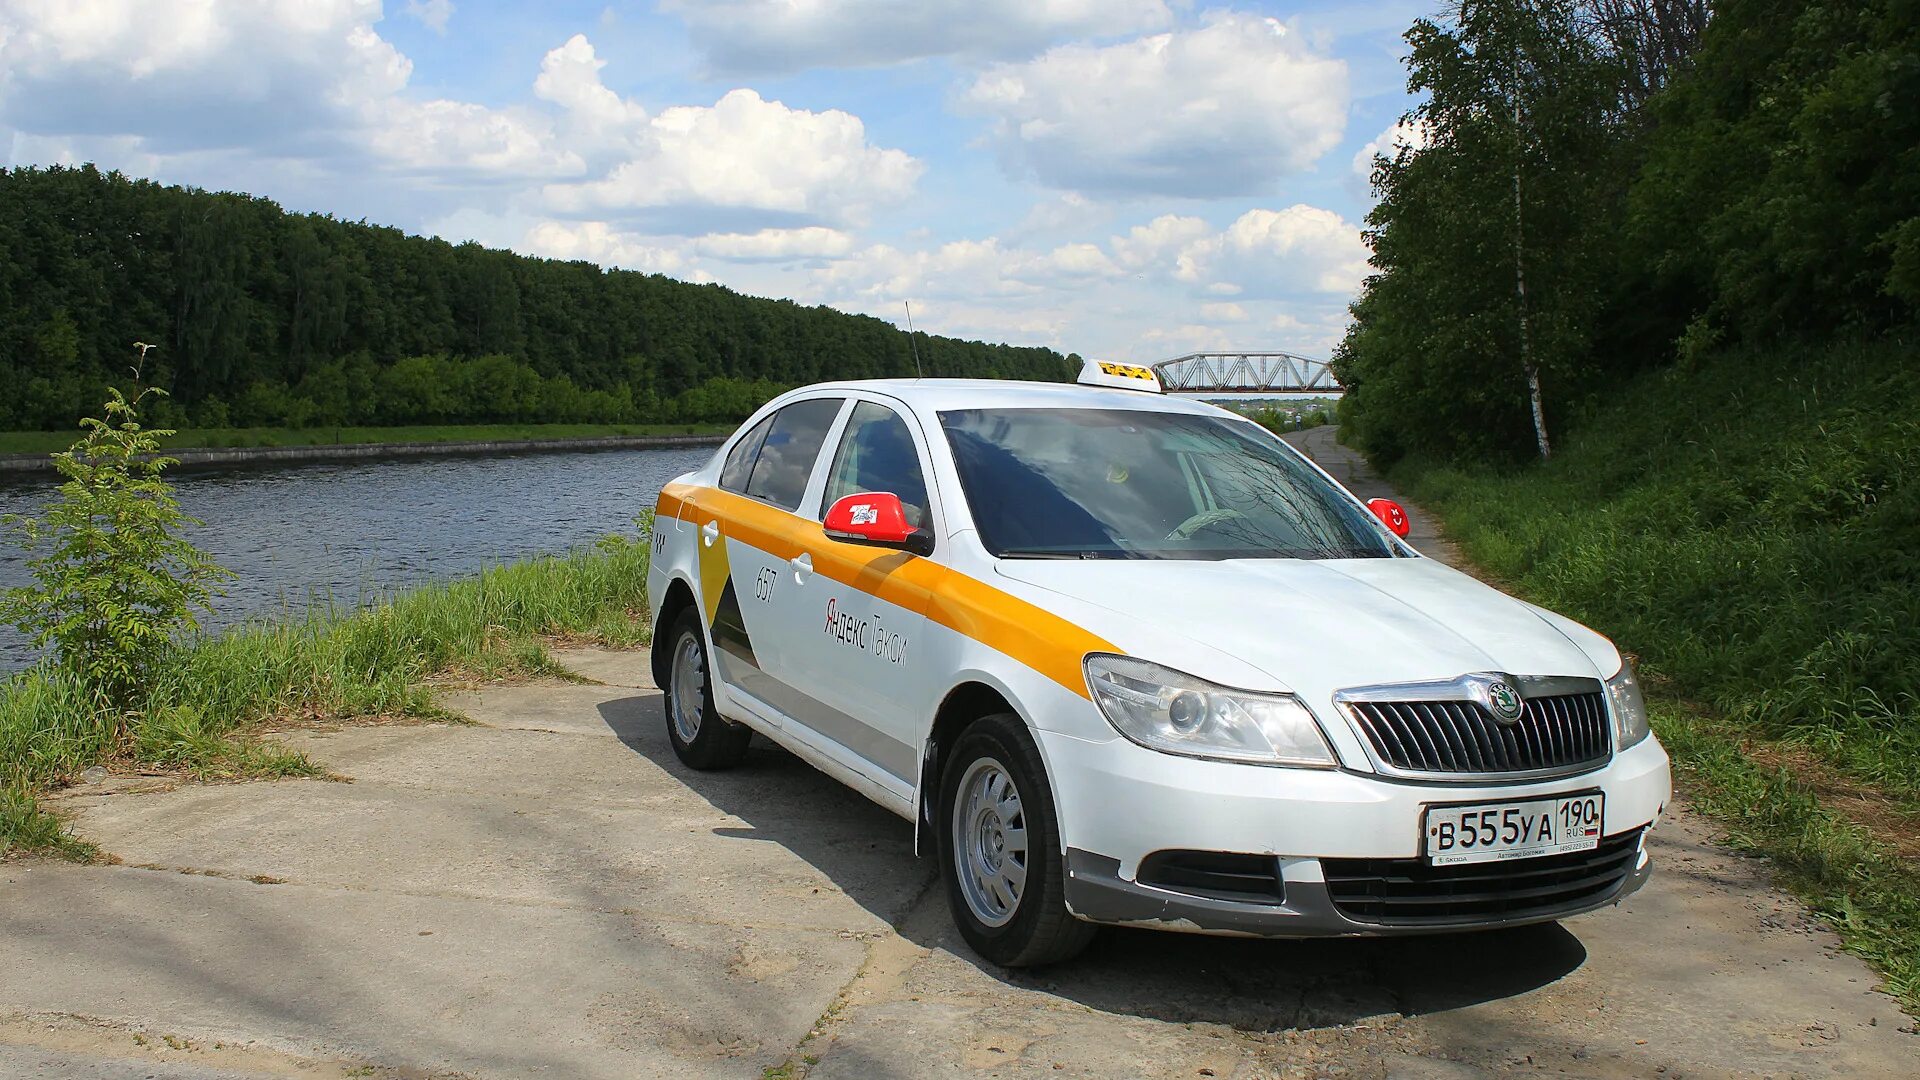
(1127, 658)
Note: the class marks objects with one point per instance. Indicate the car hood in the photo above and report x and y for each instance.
(1314, 627)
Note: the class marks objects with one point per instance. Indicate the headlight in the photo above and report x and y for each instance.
(1629, 708)
(1162, 709)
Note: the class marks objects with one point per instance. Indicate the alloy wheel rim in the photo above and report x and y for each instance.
(689, 688)
(990, 842)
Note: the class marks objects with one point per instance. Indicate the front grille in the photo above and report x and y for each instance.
(1247, 879)
(1408, 892)
(1560, 733)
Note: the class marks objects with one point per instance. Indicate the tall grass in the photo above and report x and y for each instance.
(1749, 527)
(327, 664)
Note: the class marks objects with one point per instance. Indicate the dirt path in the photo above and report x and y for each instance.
(547, 892)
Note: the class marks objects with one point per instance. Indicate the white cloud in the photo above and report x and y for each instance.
(1301, 249)
(1226, 108)
(783, 36)
(1153, 291)
(1168, 234)
(1403, 135)
(811, 242)
(292, 75)
(598, 242)
(746, 153)
(433, 14)
(306, 82)
(445, 137)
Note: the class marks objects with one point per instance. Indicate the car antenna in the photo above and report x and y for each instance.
(911, 343)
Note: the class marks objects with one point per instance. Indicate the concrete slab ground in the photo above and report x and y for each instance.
(547, 892)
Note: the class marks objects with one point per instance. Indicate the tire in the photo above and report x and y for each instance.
(986, 844)
(702, 738)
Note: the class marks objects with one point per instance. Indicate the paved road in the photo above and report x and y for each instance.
(546, 892)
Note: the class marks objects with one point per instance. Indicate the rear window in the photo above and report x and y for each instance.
(791, 446)
(739, 464)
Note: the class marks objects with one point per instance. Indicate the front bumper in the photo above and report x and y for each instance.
(1097, 893)
(1119, 803)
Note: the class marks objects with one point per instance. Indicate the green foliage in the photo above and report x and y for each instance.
(25, 826)
(1769, 192)
(1780, 193)
(1279, 419)
(266, 318)
(118, 583)
(1518, 104)
(1748, 528)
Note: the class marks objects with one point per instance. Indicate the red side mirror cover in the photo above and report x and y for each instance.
(875, 515)
(1392, 514)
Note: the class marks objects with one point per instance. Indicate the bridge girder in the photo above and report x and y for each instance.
(1245, 373)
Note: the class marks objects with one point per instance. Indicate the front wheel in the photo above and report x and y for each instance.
(701, 737)
(1001, 845)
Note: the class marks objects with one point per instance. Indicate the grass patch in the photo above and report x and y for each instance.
(1848, 875)
(47, 442)
(1749, 528)
(28, 828)
(326, 665)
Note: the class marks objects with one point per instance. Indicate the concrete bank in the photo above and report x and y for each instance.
(275, 455)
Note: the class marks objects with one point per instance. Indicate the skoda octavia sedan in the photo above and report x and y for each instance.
(1130, 659)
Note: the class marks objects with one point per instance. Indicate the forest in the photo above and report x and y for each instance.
(1600, 188)
(262, 317)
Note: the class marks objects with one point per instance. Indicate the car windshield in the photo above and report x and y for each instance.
(1128, 484)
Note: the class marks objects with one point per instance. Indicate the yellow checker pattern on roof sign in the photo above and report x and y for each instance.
(1126, 371)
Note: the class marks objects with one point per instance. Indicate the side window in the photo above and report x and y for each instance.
(877, 454)
(739, 463)
(790, 449)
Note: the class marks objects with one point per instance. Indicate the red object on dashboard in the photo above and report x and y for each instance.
(1392, 513)
(875, 516)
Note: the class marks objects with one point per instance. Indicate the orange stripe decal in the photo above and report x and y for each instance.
(1026, 632)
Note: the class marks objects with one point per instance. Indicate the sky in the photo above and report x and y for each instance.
(1126, 179)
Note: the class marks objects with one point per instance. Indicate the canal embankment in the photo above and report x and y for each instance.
(287, 455)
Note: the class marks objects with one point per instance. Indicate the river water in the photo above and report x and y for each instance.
(347, 532)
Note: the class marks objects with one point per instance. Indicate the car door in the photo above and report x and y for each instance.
(865, 607)
(748, 537)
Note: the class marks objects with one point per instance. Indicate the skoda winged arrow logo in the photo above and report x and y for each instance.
(1503, 701)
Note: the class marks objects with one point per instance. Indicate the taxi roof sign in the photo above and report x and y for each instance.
(1120, 376)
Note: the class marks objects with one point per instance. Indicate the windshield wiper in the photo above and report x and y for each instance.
(1076, 554)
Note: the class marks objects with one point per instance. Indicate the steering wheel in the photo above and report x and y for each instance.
(1186, 529)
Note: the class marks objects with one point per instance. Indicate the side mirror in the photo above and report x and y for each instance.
(1392, 513)
(876, 518)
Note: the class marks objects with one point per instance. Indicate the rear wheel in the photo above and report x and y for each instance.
(701, 737)
(1001, 845)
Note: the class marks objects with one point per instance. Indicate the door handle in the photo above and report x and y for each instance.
(710, 532)
(802, 566)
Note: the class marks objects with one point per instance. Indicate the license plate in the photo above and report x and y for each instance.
(1493, 832)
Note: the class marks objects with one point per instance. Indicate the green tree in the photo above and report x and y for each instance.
(118, 583)
(1490, 240)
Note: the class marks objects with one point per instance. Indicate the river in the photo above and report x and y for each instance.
(351, 531)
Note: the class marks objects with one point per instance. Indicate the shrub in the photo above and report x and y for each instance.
(118, 584)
